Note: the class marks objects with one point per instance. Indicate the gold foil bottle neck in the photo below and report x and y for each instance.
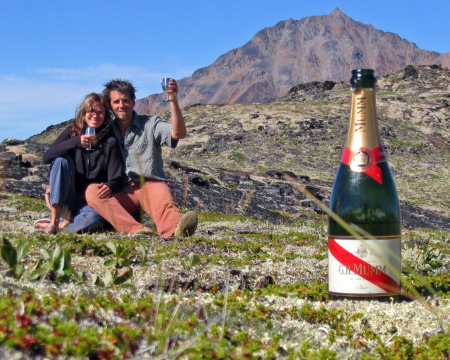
(364, 147)
(363, 129)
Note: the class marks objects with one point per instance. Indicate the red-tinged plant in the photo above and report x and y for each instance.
(23, 320)
(105, 354)
(27, 341)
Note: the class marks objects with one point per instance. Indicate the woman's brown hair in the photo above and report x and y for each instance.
(77, 126)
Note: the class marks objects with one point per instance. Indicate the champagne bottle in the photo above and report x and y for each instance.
(364, 194)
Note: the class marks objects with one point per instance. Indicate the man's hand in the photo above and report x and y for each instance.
(173, 89)
(178, 124)
(86, 140)
(104, 191)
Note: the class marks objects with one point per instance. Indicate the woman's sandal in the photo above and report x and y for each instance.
(36, 224)
(52, 230)
(42, 224)
(49, 229)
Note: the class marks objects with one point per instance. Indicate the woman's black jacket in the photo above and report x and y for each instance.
(103, 164)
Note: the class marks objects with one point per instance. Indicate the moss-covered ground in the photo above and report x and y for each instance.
(239, 288)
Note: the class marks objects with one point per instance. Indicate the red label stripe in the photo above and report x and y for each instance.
(352, 262)
(377, 155)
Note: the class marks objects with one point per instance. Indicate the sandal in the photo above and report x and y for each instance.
(37, 222)
(52, 230)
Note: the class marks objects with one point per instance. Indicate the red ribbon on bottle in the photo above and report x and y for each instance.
(376, 277)
(376, 156)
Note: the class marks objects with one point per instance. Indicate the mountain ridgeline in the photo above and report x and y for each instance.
(315, 48)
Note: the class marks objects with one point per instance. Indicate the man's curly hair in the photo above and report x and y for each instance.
(120, 85)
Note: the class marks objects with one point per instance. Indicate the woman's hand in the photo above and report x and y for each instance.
(104, 191)
(86, 140)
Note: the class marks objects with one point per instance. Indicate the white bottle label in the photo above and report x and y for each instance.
(361, 267)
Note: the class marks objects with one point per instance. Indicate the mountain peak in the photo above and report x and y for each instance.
(315, 48)
(339, 15)
(336, 11)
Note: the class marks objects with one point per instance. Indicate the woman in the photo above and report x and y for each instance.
(79, 160)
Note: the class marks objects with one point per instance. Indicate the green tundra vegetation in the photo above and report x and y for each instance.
(240, 288)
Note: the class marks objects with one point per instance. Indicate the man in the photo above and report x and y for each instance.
(140, 138)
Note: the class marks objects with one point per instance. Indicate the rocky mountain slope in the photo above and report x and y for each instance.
(235, 157)
(252, 282)
(315, 48)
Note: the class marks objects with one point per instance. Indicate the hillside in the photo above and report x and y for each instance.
(234, 149)
(315, 48)
(304, 132)
(252, 282)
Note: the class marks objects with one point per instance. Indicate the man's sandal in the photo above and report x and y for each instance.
(187, 225)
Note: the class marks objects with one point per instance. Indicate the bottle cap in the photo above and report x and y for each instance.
(364, 78)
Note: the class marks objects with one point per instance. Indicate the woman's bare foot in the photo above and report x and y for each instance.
(42, 224)
(50, 229)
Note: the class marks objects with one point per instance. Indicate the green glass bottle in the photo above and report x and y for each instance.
(364, 194)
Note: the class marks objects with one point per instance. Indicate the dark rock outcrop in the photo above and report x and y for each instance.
(269, 198)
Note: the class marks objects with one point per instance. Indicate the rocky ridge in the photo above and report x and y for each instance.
(315, 48)
(236, 157)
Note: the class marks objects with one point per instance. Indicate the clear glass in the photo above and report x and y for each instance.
(89, 131)
(165, 85)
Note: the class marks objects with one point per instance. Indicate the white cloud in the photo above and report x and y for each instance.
(28, 106)
(98, 73)
(30, 103)
(145, 80)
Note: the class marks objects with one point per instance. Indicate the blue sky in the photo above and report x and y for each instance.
(53, 53)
